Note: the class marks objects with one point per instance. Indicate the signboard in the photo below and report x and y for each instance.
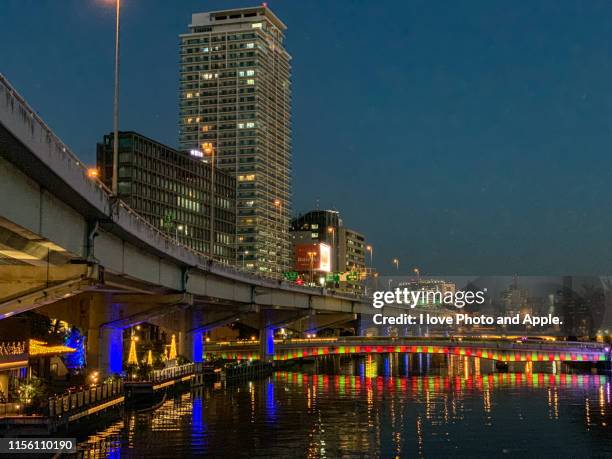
(324, 258)
(332, 277)
(290, 275)
(306, 257)
(352, 276)
(315, 257)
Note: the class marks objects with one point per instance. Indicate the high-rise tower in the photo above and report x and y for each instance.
(235, 103)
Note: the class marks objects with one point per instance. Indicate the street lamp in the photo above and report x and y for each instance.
(332, 231)
(396, 263)
(246, 252)
(312, 255)
(116, 102)
(209, 149)
(370, 249)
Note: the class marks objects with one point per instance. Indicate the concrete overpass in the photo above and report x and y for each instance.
(70, 249)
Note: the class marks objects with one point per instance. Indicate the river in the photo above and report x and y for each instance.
(395, 405)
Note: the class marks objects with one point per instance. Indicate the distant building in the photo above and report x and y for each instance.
(434, 290)
(318, 226)
(347, 246)
(171, 190)
(351, 251)
(235, 99)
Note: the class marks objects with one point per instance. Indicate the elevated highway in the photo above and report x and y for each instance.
(67, 246)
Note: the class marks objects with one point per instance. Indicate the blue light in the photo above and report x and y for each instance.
(197, 347)
(270, 402)
(114, 350)
(76, 341)
(197, 415)
(269, 337)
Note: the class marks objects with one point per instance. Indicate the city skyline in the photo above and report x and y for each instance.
(490, 177)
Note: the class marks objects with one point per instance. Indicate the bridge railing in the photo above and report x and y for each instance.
(209, 263)
(178, 371)
(419, 341)
(73, 402)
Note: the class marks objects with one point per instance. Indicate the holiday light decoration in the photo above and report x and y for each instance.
(37, 348)
(132, 358)
(172, 355)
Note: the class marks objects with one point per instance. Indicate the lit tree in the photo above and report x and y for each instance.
(172, 355)
(132, 359)
(74, 339)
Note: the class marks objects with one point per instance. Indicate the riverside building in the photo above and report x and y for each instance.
(172, 191)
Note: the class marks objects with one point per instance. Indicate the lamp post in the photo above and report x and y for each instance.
(209, 149)
(312, 255)
(417, 271)
(396, 263)
(370, 249)
(332, 231)
(116, 103)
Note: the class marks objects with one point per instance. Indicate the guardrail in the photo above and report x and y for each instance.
(166, 374)
(420, 341)
(74, 402)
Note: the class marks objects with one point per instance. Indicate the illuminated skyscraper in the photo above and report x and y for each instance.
(235, 97)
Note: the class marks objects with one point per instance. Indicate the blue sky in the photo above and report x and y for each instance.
(461, 137)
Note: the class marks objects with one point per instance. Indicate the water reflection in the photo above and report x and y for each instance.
(394, 405)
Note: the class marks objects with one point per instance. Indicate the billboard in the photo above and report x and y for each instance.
(312, 256)
(324, 258)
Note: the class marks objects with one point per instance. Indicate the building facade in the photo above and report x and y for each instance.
(351, 250)
(172, 191)
(318, 226)
(235, 102)
(348, 247)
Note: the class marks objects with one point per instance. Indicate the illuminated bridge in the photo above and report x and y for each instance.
(499, 350)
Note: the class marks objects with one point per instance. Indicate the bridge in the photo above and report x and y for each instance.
(70, 250)
(498, 350)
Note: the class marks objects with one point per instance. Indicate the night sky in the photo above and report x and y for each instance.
(466, 137)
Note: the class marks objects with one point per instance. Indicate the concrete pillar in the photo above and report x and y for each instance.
(197, 337)
(266, 343)
(197, 346)
(110, 351)
(190, 343)
(104, 343)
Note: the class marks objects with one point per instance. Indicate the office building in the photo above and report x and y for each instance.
(235, 103)
(172, 191)
(347, 247)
